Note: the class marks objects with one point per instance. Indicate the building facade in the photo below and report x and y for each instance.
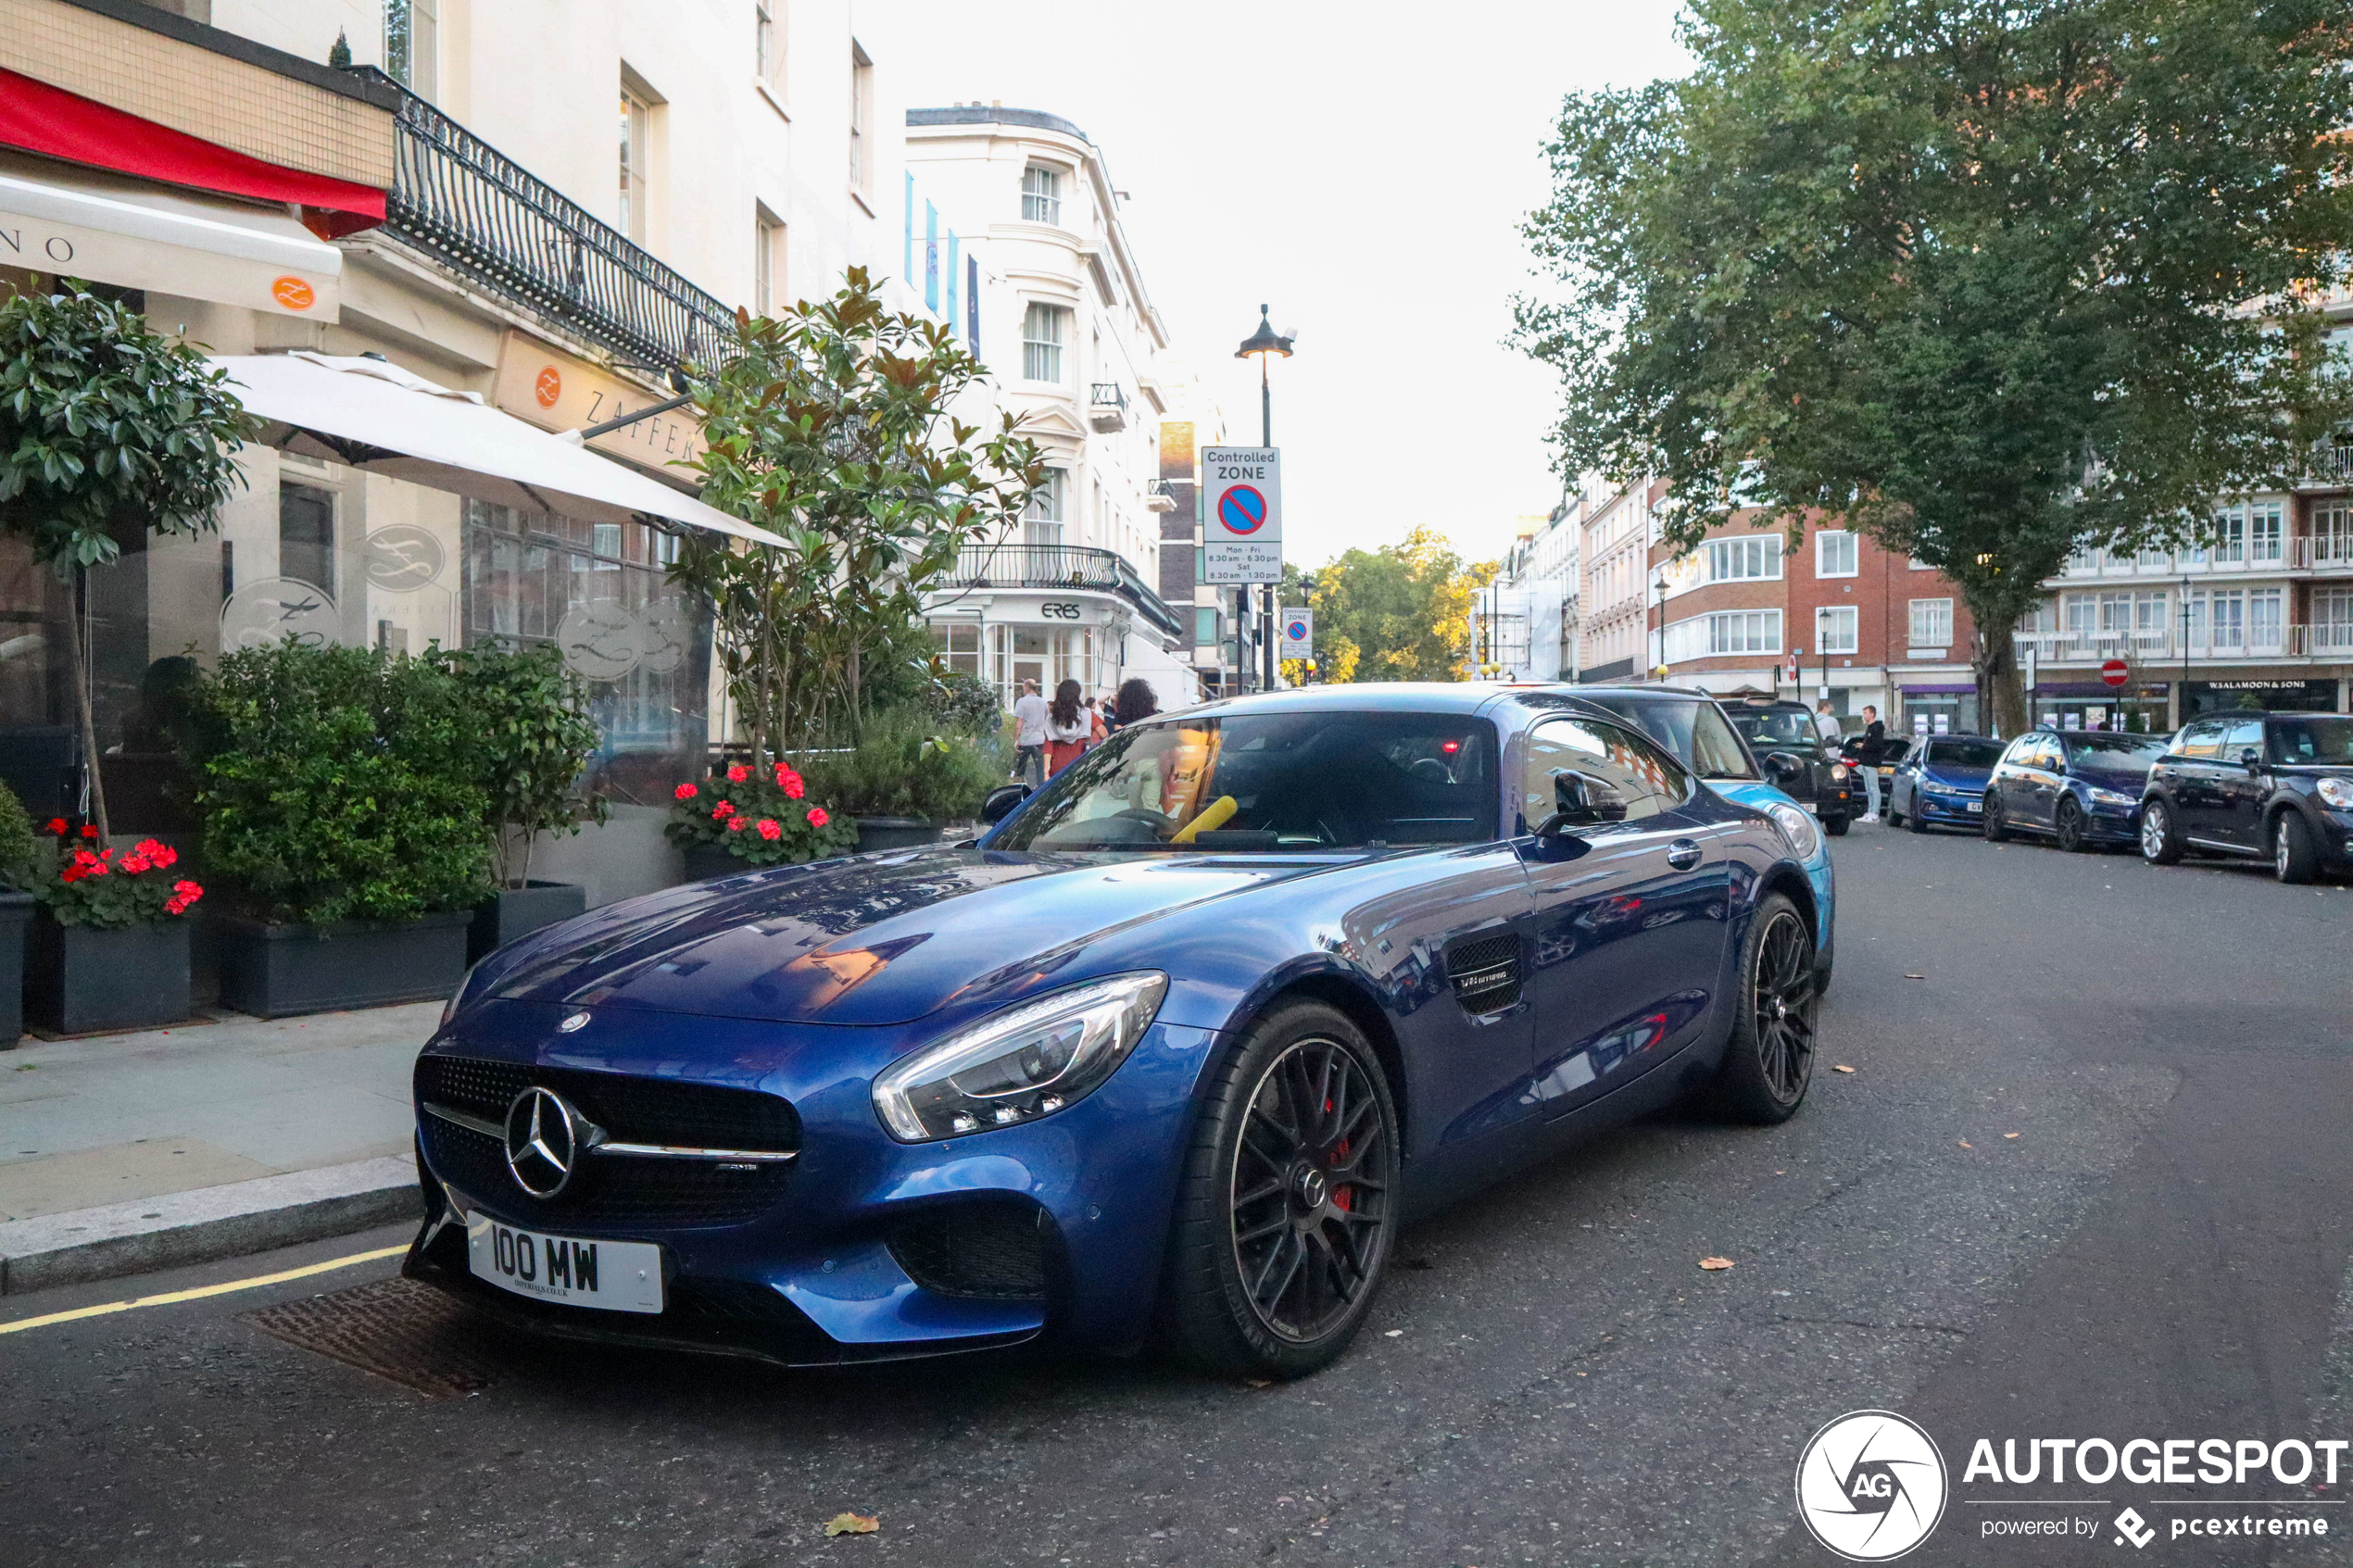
(1618, 536)
(554, 241)
(1056, 301)
(1525, 623)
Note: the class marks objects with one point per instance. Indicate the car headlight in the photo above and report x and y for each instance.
(1838, 769)
(1796, 826)
(2111, 798)
(1021, 1065)
(2336, 792)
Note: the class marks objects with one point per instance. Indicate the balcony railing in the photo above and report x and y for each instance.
(1061, 566)
(2325, 552)
(1107, 408)
(462, 200)
(2326, 640)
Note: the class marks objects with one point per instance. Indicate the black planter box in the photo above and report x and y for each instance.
(16, 912)
(706, 860)
(275, 971)
(896, 832)
(515, 912)
(80, 980)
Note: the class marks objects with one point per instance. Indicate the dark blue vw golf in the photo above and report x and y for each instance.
(1166, 1057)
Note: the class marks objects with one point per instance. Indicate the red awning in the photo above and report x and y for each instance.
(49, 120)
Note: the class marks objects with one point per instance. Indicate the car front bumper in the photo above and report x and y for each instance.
(870, 1248)
(1952, 810)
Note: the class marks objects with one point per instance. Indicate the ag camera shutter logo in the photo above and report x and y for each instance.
(1871, 1485)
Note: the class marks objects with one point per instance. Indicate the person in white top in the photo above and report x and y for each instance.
(1030, 735)
(1826, 723)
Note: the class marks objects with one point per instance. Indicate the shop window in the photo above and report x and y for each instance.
(959, 646)
(307, 534)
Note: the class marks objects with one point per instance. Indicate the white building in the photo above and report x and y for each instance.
(1052, 291)
(1525, 623)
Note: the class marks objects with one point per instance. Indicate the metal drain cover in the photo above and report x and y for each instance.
(397, 1329)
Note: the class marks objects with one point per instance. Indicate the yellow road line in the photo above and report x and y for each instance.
(203, 1291)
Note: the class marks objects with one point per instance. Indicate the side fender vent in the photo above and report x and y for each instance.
(1485, 972)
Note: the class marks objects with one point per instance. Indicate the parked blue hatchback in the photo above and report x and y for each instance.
(2080, 788)
(1167, 1057)
(1942, 782)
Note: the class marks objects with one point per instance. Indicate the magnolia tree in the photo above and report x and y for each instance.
(1988, 281)
(831, 425)
(108, 430)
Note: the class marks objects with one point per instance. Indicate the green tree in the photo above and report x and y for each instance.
(1988, 278)
(832, 425)
(1398, 613)
(532, 739)
(106, 430)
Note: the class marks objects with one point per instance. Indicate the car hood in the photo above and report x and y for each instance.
(883, 939)
(1955, 776)
(2129, 779)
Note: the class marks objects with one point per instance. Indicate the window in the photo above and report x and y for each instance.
(2243, 736)
(307, 534)
(2226, 620)
(767, 262)
(1041, 195)
(2263, 619)
(959, 646)
(767, 43)
(2332, 621)
(604, 546)
(2228, 544)
(409, 48)
(2201, 740)
(1042, 520)
(2264, 529)
(634, 170)
(1041, 342)
(1734, 561)
(1620, 768)
(1931, 623)
(1916, 564)
(2332, 533)
(1735, 631)
(862, 112)
(1205, 625)
(1835, 553)
(1836, 628)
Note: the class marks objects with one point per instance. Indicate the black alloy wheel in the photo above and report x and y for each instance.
(2068, 827)
(2295, 858)
(2160, 841)
(1995, 829)
(1285, 1209)
(1768, 1061)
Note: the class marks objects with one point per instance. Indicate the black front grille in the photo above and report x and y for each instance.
(611, 1189)
(1485, 972)
(993, 1251)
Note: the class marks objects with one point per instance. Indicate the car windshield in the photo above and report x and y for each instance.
(2114, 752)
(1777, 726)
(1694, 733)
(2321, 737)
(1962, 753)
(1251, 782)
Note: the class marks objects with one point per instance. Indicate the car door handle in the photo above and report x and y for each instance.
(1682, 854)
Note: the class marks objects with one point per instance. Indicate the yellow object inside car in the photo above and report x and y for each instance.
(1216, 814)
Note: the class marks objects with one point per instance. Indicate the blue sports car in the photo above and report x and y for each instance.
(1166, 1057)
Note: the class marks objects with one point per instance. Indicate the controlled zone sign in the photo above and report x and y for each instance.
(1241, 514)
(1298, 628)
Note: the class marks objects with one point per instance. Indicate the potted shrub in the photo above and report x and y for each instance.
(111, 948)
(343, 813)
(737, 820)
(24, 864)
(532, 738)
(907, 778)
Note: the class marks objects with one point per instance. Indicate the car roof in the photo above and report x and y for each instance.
(1466, 697)
(1639, 693)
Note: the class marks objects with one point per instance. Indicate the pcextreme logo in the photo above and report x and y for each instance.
(1871, 1485)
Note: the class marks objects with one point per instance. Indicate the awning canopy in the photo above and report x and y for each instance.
(377, 417)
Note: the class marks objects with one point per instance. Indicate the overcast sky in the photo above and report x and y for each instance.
(1362, 168)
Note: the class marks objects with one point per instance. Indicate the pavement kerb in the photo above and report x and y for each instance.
(204, 1224)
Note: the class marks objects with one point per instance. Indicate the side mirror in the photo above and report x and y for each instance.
(2250, 759)
(1001, 801)
(1784, 763)
(1580, 800)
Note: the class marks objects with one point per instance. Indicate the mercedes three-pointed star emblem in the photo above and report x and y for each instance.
(544, 1140)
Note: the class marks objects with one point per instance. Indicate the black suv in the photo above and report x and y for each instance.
(2278, 785)
(1797, 760)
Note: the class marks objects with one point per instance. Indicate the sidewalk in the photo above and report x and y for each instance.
(126, 1152)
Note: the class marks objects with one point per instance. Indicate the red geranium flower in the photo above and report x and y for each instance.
(89, 830)
(789, 781)
(719, 813)
(735, 825)
(737, 773)
(769, 828)
(188, 890)
(135, 864)
(57, 827)
(817, 817)
(688, 792)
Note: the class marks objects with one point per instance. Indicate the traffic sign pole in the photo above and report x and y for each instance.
(2115, 672)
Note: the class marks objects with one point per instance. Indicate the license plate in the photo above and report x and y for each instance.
(619, 1276)
(1976, 805)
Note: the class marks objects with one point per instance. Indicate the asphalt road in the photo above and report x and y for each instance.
(2161, 1250)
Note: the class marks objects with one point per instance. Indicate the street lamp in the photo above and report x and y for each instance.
(1263, 346)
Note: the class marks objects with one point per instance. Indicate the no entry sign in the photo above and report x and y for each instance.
(2116, 671)
(1243, 514)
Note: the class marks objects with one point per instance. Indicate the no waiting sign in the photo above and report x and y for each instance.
(1243, 514)
(1298, 628)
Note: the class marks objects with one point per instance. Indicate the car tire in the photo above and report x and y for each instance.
(1835, 826)
(1286, 1301)
(1895, 818)
(2295, 857)
(1994, 828)
(1916, 821)
(1768, 1061)
(2068, 827)
(2160, 836)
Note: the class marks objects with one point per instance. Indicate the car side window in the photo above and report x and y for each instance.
(2202, 739)
(2020, 750)
(1715, 747)
(2246, 734)
(1646, 778)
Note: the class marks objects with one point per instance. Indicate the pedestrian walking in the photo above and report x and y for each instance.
(1069, 726)
(1867, 754)
(1030, 735)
